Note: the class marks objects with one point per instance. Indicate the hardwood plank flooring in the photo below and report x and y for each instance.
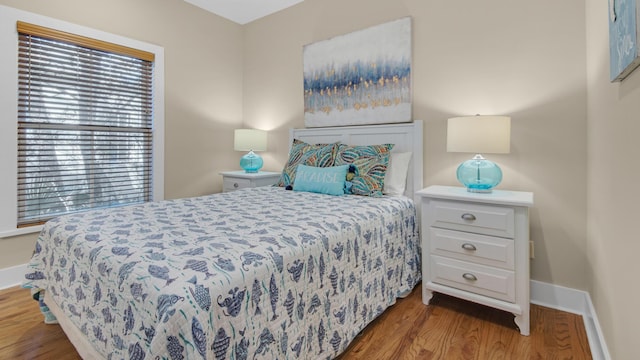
(24, 335)
(447, 329)
(451, 328)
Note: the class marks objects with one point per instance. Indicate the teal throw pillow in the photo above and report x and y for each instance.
(322, 180)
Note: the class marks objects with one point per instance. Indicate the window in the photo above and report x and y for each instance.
(85, 124)
(9, 41)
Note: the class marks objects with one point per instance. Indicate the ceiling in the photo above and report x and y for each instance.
(243, 11)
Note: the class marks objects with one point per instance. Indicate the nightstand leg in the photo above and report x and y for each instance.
(523, 323)
(426, 295)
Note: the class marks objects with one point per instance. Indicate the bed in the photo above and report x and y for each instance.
(261, 273)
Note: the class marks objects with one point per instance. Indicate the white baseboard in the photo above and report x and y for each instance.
(576, 302)
(543, 294)
(12, 276)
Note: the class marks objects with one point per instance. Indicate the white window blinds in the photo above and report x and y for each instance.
(84, 124)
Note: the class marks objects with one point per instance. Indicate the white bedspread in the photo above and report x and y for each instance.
(255, 273)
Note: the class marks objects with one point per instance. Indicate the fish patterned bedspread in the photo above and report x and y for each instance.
(261, 273)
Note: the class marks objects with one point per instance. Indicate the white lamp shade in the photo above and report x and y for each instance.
(479, 134)
(250, 139)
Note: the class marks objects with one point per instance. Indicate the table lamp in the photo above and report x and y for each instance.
(479, 134)
(250, 140)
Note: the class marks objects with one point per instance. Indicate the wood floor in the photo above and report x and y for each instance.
(447, 329)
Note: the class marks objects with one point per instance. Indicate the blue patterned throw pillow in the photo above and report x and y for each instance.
(322, 180)
(369, 167)
(321, 155)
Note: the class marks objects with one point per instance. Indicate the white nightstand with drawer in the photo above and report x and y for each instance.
(475, 246)
(234, 180)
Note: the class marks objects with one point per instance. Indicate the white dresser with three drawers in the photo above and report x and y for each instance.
(475, 246)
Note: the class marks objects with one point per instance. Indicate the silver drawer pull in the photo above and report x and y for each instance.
(469, 247)
(469, 276)
(467, 216)
(235, 185)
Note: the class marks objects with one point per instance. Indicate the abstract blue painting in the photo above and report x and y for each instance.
(624, 54)
(360, 78)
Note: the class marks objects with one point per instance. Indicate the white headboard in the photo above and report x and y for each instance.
(406, 137)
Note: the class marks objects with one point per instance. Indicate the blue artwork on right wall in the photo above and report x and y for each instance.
(623, 38)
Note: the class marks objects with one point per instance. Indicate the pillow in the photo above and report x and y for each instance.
(369, 167)
(322, 180)
(395, 180)
(346, 154)
(319, 155)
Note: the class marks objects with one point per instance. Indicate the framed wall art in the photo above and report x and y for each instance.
(624, 29)
(359, 78)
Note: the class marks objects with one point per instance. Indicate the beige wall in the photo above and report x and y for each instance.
(203, 87)
(497, 57)
(613, 130)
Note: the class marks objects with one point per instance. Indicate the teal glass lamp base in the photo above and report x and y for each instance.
(479, 174)
(251, 162)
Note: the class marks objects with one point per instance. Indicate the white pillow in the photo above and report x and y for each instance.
(395, 179)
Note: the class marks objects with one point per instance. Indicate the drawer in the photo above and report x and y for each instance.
(480, 249)
(230, 184)
(477, 218)
(479, 279)
(266, 181)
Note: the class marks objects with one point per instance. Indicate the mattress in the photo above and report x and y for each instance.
(259, 273)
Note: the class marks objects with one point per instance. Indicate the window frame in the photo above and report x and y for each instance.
(9, 108)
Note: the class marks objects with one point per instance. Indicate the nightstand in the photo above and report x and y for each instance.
(475, 246)
(234, 180)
